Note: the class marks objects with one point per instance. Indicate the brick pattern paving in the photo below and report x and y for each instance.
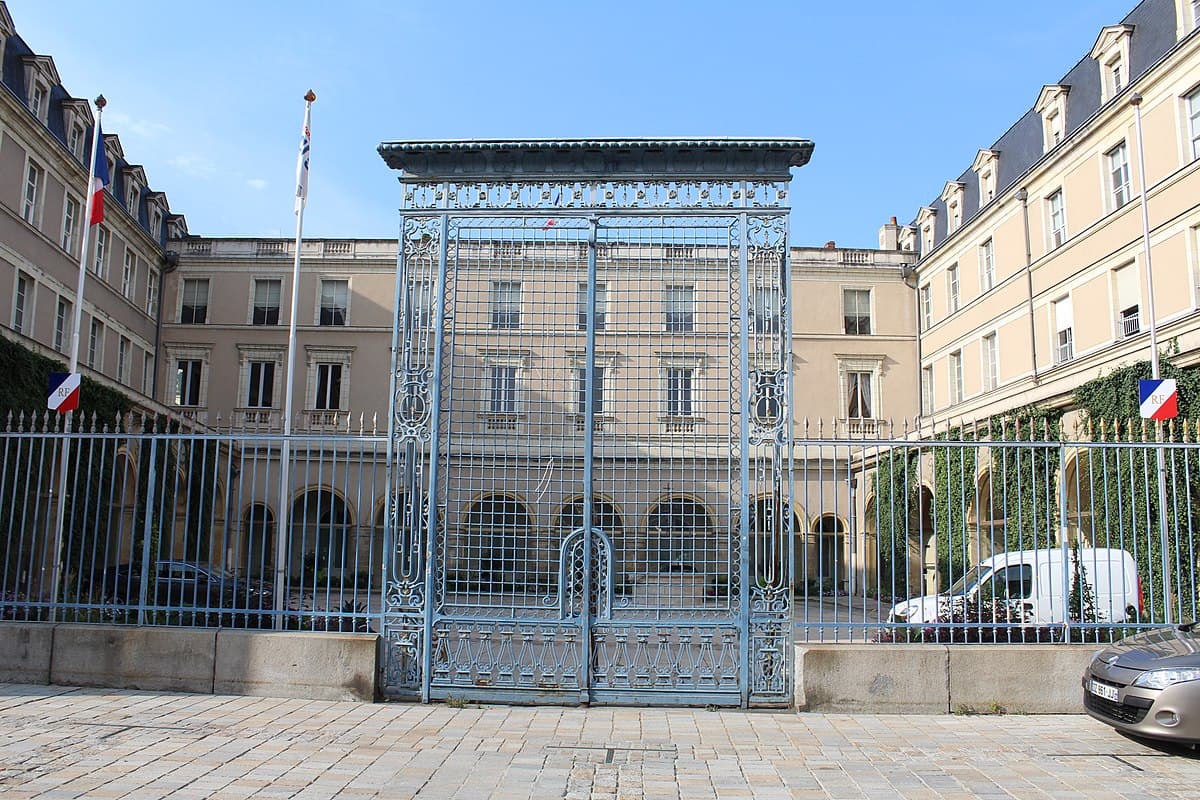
(57, 742)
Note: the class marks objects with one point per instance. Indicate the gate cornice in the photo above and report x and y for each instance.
(609, 159)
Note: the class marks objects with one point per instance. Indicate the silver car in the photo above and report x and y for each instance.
(1148, 684)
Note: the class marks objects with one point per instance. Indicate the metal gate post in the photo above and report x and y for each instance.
(744, 455)
(435, 435)
(589, 436)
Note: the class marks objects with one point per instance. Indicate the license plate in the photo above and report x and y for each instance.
(1103, 690)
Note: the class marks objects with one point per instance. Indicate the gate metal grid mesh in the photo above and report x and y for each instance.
(673, 584)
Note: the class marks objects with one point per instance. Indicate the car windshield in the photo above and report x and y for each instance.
(969, 580)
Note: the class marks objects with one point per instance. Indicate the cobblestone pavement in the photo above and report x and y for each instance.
(58, 742)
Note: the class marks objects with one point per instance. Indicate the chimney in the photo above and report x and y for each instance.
(889, 235)
(831, 245)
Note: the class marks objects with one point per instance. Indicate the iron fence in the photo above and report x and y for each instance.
(973, 534)
(167, 523)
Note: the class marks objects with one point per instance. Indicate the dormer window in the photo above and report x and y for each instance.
(75, 140)
(906, 239)
(987, 164)
(1052, 106)
(131, 202)
(1111, 52)
(76, 119)
(39, 100)
(952, 196)
(155, 223)
(925, 223)
(40, 76)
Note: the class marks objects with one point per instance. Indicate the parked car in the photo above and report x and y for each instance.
(1148, 684)
(189, 588)
(1039, 582)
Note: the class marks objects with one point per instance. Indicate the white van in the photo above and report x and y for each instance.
(1039, 581)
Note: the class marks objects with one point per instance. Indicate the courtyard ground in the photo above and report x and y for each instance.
(59, 742)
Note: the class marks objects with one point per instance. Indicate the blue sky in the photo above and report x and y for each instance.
(897, 96)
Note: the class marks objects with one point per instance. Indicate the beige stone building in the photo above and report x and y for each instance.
(45, 144)
(854, 356)
(1033, 276)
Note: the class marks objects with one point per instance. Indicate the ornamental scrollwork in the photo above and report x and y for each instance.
(580, 194)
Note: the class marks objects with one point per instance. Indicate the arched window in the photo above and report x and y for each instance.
(829, 532)
(499, 528)
(319, 527)
(683, 530)
(258, 545)
(604, 516)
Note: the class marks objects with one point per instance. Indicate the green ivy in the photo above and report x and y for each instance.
(954, 490)
(897, 501)
(1125, 510)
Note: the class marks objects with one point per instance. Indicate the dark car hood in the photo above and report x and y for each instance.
(1161, 648)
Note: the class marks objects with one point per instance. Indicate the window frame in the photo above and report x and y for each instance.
(184, 380)
(1056, 236)
(925, 299)
(677, 319)
(266, 309)
(24, 296)
(95, 348)
(504, 388)
(321, 399)
(192, 310)
(72, 211)
(987, 265)
(33, 191)
(152, 290)
(128, 272)
(601, 306)
(1191, 115)
(326, 316)
(989, 361)
(266, 380)
(62, 323)
(854, 379)
(679, 406)
(953, 289)
(858, 324)
(100, 253)
(955, 367)
(124, 354)
(1119, 194)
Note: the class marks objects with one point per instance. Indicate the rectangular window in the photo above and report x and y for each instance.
(261, 393)
(679, 309)
(991, 362)
(70, 224)
(987, 266)
(506, 305)
(926, 307)
(858, 395)
(335, 303)
(679, 391)
(956, 377)
(420, 302)
(266, 302)
(601, 306)
(1054, 128)
(128, 273)
(1128, 296)
(926, 390)
(62, 324)
(95, 351)
(187, 382)
(37, 101)
(503, 385)
(151, 292)
(148, 374)
(194, 308)
(597, 390)
(952, 288)
(1064, 324)
(764, 310)
(21, 303)
(329, 387)
(156, 224)
(1118, 175)
(33, 190)
(1058, 219)
(100, 258)
(856, 311)
(75, 140)
(131, 202)
(1193, 112)
(1116, 76)
(123, 355)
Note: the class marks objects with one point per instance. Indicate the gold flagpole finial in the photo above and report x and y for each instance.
(101, 102)
(310, 95)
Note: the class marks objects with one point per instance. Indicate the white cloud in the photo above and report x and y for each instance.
(145, 129)
(193, 165)
(256, 183)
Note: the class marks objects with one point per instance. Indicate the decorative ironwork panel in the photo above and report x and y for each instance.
(590, 426)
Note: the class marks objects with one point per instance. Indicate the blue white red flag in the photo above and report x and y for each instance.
(100, 178)
(302, 161)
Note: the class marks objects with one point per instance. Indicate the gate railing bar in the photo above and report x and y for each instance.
(589, 436)
(431, 519)
(744, 490)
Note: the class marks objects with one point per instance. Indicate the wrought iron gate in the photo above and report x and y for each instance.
(590, 443)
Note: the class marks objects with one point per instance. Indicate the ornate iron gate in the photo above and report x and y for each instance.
(590, 436)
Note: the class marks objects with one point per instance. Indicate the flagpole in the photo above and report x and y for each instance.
(282, 539)
(77, 319)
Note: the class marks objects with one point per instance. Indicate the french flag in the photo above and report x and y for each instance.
(100, 177)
